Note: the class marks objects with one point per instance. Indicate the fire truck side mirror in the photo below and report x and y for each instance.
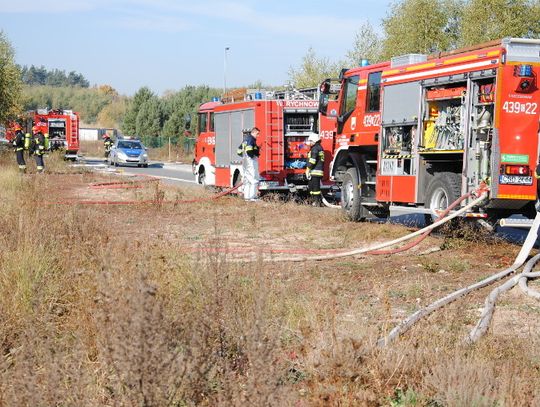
(323, 103)
(187, 121)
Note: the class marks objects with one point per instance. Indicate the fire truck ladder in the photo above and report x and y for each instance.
(274, 137)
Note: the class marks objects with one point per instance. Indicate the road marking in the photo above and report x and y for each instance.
(173, 179)
(106, 168)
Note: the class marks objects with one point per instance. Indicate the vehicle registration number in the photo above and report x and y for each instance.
(515, 180)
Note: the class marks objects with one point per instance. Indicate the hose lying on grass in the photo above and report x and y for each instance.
(376, 247)
(481, 327)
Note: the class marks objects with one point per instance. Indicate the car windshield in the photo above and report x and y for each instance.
(130, 144)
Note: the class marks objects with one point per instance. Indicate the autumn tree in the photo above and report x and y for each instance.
(486, 20)
(367, 45)
(420, 26)
(313, 70)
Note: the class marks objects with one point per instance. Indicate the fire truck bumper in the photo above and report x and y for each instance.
(275, 186)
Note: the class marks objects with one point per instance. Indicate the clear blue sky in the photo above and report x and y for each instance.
(167, 44)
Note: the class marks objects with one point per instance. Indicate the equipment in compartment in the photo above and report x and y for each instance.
(398, 139)
(444, 124)
(298, 127)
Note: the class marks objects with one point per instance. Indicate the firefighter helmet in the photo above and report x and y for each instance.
(35, 129)
(313, 138)
(17, 127)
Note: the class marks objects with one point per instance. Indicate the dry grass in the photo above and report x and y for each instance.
(105, 306)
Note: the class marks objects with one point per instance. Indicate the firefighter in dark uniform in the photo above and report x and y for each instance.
(315, 169)
(40, 146)
(108, 143)
(20, 143)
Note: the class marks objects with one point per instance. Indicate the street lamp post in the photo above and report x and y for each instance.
(225, 71)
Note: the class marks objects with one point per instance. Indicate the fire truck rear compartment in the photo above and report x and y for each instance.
(297, 128)
(57, 133)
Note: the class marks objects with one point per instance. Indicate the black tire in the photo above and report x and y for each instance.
(351, 196)
(145, 165)
(443, 190)
(201, 177)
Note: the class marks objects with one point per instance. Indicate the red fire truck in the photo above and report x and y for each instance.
(420, 131)
(285, 119)
(62, 126)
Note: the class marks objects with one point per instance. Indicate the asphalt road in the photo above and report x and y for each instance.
(174, 174)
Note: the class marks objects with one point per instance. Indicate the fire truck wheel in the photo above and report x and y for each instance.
(351, 199)
(201, 178)
(443, 189)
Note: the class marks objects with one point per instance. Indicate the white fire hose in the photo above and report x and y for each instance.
(379, 246)
(483, 323)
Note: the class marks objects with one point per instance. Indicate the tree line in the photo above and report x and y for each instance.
(54, 77)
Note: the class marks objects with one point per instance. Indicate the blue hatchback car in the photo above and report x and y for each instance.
(125, 152)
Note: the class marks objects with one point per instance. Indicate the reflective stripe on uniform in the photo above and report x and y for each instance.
(315, 192)
(317, 173)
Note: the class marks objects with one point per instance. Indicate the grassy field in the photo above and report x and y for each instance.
(149, 305)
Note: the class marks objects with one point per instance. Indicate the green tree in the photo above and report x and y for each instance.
(486, 20)
(313, 70)
(177, 106)
(10, 81)
(149, 120)
(129, 124)
(367, 45)
(420, 26)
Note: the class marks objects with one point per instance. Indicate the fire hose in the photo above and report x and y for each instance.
(487, 313)
(377, 247)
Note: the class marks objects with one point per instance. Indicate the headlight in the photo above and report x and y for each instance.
(122, 155)
(144, 155)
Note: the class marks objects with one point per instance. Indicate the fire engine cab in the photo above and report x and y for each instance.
(285, 119)
(419, 131)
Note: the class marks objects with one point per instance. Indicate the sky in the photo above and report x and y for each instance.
(168, 44)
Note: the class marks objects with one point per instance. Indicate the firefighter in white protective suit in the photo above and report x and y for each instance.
(249, 151)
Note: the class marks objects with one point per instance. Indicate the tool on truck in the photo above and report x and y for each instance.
(417, 132)
(285, 118)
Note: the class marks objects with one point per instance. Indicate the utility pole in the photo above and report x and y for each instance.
(225, 71)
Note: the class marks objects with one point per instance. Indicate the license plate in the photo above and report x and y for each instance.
(515, 180)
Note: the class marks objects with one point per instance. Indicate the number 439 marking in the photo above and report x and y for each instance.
(518, 107)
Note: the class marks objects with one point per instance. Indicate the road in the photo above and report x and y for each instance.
(173, 174)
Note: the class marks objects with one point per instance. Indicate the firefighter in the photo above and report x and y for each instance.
(315, 169)
(20, 144)
(39, 147)
(249, 151)
(108, 143)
